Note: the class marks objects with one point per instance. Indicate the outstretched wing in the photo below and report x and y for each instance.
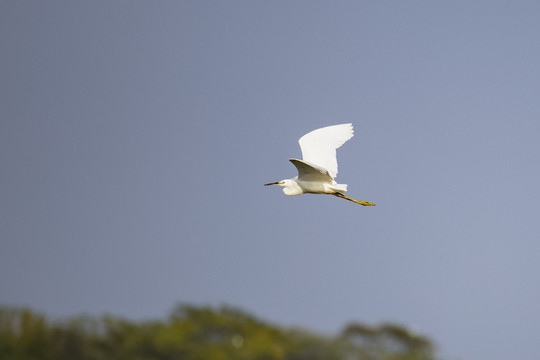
(311, 172)
(319, 146)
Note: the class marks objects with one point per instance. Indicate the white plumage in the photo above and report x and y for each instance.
(319, 146)
(318, 167)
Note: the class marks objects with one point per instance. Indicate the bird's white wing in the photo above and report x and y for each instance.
(319, 146)
(311, 172)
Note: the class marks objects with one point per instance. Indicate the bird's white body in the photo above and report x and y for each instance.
(295, 186)
(317, 170)
(312, 179)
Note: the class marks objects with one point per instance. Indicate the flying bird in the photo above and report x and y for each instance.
(318, 169)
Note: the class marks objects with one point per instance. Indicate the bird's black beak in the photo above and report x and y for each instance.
(274, 183)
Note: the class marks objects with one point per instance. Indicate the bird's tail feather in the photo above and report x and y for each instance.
(340, 188)
(365, 203)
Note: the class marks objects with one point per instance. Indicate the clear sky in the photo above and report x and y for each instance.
(136, 136)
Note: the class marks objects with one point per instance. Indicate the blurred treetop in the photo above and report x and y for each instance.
(197, 333)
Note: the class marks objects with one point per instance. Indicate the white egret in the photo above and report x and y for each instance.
(318, 169)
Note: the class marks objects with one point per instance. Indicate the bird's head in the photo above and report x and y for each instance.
(290, 186)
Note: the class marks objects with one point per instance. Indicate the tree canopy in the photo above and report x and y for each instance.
(197, 333)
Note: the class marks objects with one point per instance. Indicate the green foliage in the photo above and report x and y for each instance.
(388, 341)
(197, 333)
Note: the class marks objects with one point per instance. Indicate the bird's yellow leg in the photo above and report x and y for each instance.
(365, 203)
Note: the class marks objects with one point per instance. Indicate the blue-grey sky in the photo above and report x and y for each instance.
(136, 136)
